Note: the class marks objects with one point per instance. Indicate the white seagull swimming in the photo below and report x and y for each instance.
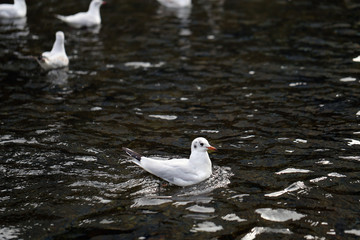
(57, 57)
(181, 172)
(175, 3)
(90, 18)
(16, 10)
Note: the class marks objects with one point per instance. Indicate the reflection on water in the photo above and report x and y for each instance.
(58, 77)
(153, 190)
(214, 10)
(232, 217)
(9, 233)
(144, 65)
(292, 188)
(272, 84)
(279, 215)
(206, 227)
(7, 24)
(259, 230)
(141, 202)
(182, 13)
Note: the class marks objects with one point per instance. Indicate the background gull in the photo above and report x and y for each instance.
(16, 10)
(85, 19)
(57, 57)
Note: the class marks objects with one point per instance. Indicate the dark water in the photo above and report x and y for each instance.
(271, 84)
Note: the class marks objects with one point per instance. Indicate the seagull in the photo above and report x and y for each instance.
(57, 57)
(16, 10)
(181, 172)
(357, 59)
(175, 3)
(85, 19)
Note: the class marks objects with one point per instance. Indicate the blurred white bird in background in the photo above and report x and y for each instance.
(16, 10)
(57, 57)
(90, 18)
(357, 59)
(175, 3)
(181, 172)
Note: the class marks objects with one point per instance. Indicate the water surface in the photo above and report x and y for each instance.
(271, 84)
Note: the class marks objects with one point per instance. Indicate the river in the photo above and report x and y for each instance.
(270, 83)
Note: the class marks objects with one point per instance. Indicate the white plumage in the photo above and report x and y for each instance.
(181, 172)
(16, 10)
(90, 18)
(175, 3)
(57, 57)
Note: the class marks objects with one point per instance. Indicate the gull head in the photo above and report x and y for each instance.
(19, 1)
(60, 36)
(200, 144)
(97, 3)
(20, 5)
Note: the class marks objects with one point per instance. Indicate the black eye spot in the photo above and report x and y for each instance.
(195, 146)
(202, 144)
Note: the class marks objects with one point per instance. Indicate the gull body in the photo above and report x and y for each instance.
(90, 18)
(175, 3)
(16, 10)
(57, 57)
(181, 172)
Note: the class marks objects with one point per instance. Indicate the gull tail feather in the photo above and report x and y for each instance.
(61, 17)
(133, 154)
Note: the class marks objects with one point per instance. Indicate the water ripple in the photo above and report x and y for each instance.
(272, 84)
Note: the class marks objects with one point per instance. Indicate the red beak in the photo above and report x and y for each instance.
(211, 148)
(103, 3)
